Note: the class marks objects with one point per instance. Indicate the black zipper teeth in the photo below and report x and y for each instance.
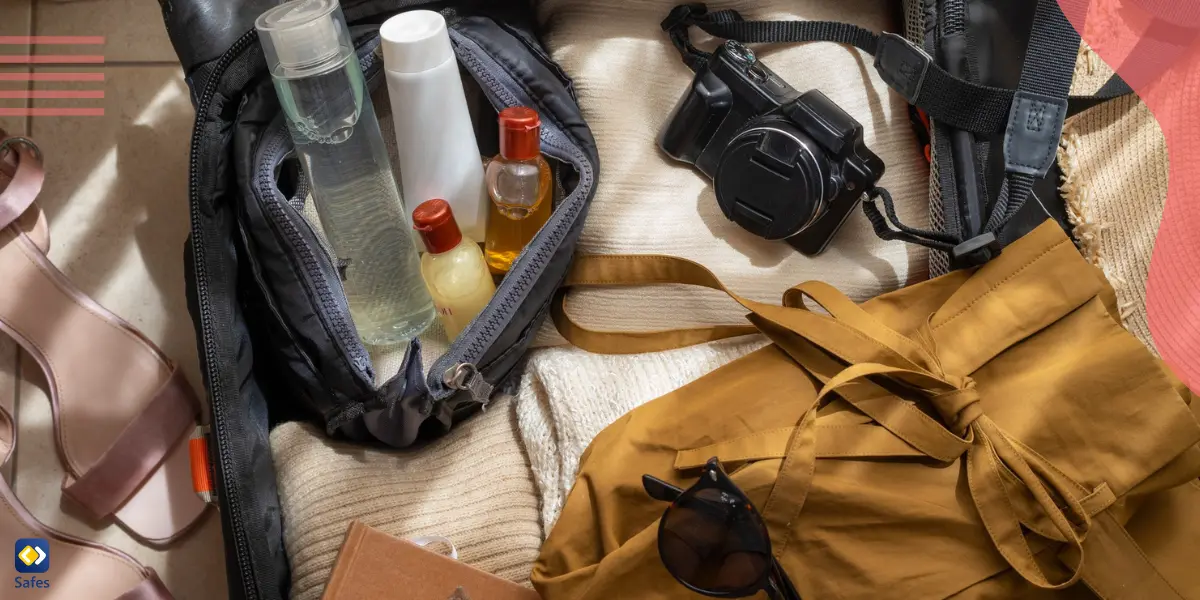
(954, 16)
(344, 331)
(206, 320)
(231, 502)
(482, 332)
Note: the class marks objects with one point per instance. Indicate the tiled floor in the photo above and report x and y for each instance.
(116, 197)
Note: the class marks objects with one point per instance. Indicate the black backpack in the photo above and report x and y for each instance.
(276, 340)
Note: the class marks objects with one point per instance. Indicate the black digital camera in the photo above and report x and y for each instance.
(784, 165)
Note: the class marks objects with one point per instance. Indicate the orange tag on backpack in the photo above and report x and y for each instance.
(201, 478)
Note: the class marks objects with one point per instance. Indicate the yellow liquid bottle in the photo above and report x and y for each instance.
(453, 268)
(520, 186)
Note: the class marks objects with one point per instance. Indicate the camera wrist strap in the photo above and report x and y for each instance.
(1030, 117)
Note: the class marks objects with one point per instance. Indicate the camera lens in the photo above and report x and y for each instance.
(772, 179)
(740, 53)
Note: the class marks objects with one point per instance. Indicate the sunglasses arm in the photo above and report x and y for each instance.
(660, 490)
(780, 585)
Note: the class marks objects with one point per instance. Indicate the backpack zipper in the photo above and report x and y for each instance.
(217, 390)
(343, 329)
(211, 357)
(482, 332)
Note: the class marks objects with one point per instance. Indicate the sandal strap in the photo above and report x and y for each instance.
(139, 450)
(151, 588)
(27, 178)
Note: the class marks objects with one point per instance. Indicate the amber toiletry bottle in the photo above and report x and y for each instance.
(520, 187)
(453, 268)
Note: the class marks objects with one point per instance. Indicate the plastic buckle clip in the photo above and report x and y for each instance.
(902, 65)
(976, 251)
(682, 13)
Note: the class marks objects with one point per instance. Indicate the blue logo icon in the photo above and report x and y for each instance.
(32, 555)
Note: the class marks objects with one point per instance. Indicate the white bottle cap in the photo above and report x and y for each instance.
(304, 37)
(415, 41)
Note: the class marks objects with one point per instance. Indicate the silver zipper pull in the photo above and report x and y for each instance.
(466, 376)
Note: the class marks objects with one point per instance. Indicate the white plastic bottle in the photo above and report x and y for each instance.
(439, 157)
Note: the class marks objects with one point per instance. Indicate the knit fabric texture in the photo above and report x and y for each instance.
(473, 486)
(567, 396)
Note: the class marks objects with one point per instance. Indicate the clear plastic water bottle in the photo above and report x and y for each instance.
(329, 112)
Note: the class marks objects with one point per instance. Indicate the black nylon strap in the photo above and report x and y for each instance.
(1115, 87)
(884, 227)
(953, 101)
(1047, 73)
(1049, 66)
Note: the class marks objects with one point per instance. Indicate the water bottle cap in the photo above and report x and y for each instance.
(304, 36)
(415, 41)
(434, 220)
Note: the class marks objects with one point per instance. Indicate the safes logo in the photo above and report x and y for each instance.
(32, 555)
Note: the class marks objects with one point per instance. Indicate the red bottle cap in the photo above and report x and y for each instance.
(519, 129)
(434, 220)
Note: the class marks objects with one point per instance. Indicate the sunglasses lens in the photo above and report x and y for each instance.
(715, 542)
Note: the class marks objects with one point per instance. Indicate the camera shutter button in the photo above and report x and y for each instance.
(740, 53)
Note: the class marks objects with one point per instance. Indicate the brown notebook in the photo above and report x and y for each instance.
(373, 565)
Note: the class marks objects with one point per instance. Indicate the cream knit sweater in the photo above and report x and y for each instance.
(567, 396)
(473, 486)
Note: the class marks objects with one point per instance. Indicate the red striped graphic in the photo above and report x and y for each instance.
(29, 68)
(80, 40)
(51, 94)
(48, 59)
(51, 76)
(51, 112)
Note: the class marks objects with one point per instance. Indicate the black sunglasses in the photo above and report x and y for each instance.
(713, 541)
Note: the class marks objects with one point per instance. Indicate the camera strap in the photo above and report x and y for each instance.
(905, 67)
(1030, 117)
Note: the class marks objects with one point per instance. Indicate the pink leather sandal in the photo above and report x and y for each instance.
(122, 411)
(77, 568)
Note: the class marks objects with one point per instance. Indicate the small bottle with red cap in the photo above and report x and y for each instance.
(454, 269)
(520, 186)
